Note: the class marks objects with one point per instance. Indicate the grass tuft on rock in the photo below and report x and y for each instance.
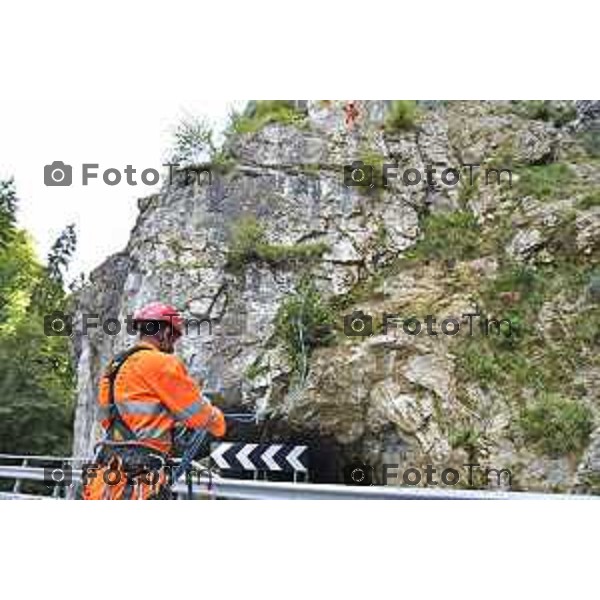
(531, 358)
(545, 181)
(402, 115)
(248, 244)
(448, 236)
(304, 321)
(590, 200)
(265, 112)
(546, 110)
(556, 426)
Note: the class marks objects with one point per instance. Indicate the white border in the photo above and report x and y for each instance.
(448, 549)
(300, 50)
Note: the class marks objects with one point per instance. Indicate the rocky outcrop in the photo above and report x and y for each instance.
(390, 397)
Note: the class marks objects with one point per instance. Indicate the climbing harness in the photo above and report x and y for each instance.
(127, 447)
(116, 421)
(124, 456)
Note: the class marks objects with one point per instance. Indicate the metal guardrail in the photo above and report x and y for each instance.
(205, 487)
(13, 496)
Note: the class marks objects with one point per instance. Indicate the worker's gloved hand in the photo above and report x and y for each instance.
(216, 425)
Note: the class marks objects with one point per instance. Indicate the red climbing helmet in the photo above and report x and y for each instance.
(157, 311)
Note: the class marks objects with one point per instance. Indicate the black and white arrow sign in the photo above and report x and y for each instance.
(260, 457)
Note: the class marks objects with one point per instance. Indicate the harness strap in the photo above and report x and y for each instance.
(117, 423)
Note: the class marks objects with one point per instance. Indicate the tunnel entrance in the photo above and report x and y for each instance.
(326, 457)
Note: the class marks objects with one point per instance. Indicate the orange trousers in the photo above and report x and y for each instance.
(128, 476)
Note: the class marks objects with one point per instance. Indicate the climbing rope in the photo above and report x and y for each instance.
(241, 417)
(190, 453)
(300, 385)
(194, 445)
(303, 352)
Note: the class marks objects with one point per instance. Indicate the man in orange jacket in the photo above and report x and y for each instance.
(144, 394)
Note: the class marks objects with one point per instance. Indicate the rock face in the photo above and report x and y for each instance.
(390, 397)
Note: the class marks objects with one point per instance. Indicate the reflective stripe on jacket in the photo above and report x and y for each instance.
(153, 392)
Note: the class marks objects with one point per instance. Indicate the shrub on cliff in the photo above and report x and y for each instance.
(304, 321)
(402, 115)
(546, 110)
(556, 426)
(192, 142)
(452, 236)
(590, 200)
(249, 244)
(545, 181)
(263, 112)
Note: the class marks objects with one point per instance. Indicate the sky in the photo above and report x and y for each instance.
(103, 84)
(107, 129)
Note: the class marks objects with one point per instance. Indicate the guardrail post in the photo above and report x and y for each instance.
(18, 482)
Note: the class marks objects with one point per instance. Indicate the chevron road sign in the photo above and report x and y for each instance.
(239, 456)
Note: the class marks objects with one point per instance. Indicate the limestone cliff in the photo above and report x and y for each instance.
(277, 220)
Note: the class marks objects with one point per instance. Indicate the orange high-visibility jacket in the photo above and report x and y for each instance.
(153, 392)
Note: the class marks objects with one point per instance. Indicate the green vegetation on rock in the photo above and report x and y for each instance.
(530, 358)
(375, 160)
(192, 142)
(448, 236)
(222, 161)
(193, 147)
(248, 244)
(465, 437)
(545, 181)
(546, 110)
(590, 200)
(264, 113)
(556, 426)
(402, 115)
(304, 321)
(256, 369)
